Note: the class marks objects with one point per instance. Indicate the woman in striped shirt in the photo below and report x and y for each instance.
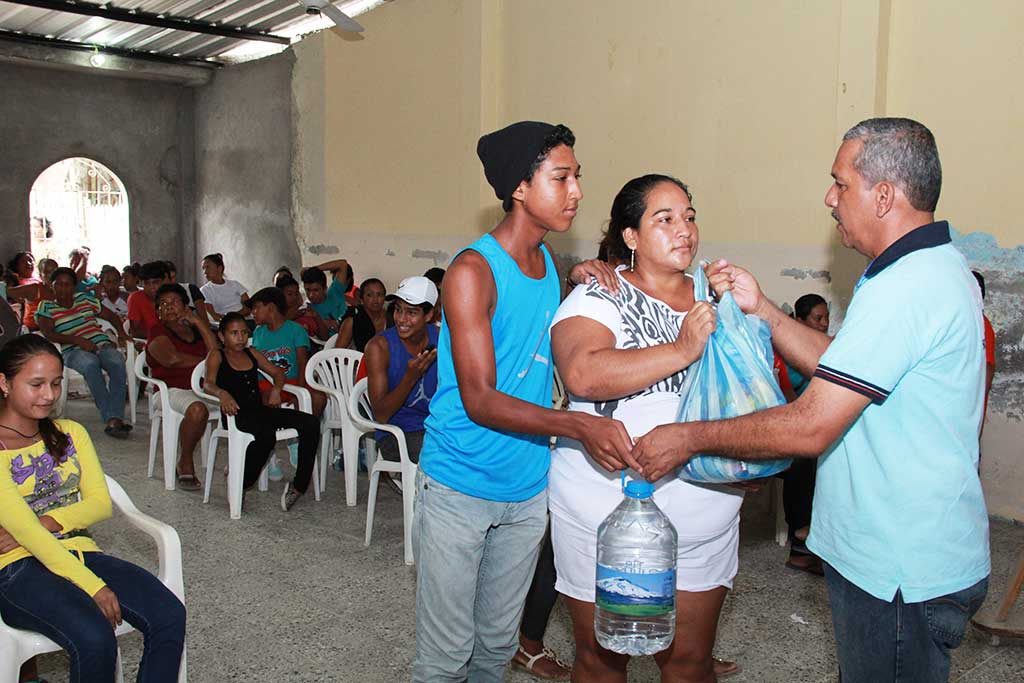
(72, 320)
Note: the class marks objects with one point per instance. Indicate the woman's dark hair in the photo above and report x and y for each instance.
(65, 271)
(372, 281)
(232, 317)
(285, 280)
(628, 208)
(270, 295)
(216, 259)
(350, 277)
(805, 304)
(173, 288)
(13, 357)
(109, 269)
(171, 268)
(13, 263)
(132, 268)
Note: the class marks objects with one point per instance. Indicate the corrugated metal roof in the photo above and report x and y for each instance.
(284, 18)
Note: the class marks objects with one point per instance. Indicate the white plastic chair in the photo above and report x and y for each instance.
(130, 354)
(361, 412)
(325, 345)
(18, 646)
(333, 372)
(238, 441)
(165, 423)
(781, 528)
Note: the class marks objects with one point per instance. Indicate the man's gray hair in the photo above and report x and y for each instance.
(902, 152)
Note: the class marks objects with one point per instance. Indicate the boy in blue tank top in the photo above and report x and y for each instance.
(481, 490)
(401, 367)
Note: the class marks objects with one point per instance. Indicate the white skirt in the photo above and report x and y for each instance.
(581, 495)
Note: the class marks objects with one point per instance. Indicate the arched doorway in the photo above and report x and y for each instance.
(80, 202)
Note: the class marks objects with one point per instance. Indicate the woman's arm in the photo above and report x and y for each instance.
(202, 326)
(345, 333)
(95, 505)
(49, 331)
(26, 292)
(18, 519)
(592, 368)
(162, 350)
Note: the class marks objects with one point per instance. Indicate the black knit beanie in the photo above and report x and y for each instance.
(507, 155)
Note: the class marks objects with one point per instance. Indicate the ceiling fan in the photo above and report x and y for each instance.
(340, 19)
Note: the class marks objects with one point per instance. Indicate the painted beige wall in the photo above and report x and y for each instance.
(744, 100)
(957, 67)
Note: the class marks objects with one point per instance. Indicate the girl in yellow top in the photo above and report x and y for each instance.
(53, 578)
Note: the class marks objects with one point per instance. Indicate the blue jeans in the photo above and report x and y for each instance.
(474, 560)
(108, 396)
(35, 599)
(879, 641)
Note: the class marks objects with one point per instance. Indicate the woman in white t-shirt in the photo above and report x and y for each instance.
(624, 355)
(222, 296)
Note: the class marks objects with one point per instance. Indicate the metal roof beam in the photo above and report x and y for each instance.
(53, 52)
(134, 17)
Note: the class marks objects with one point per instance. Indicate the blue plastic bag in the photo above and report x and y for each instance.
(733, 377)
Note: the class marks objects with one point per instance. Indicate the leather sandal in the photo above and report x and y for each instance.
(524, 660)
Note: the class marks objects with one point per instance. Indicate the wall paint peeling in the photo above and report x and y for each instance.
(806, 273)
(321, 249)
(1003, 269)
(439, 257)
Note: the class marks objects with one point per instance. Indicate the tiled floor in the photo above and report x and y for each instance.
(282, 597)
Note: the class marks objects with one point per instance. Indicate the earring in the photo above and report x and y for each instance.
(632, 259)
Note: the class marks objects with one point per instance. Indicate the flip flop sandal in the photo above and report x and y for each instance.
(189, 482)
(733, 669)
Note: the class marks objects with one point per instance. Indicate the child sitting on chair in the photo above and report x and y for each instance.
(54, 579)
(232, 375)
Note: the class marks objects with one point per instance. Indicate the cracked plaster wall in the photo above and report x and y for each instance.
(141, 130)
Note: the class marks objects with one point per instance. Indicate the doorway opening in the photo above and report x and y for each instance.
(80, 202)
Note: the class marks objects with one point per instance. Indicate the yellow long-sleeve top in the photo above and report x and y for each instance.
(73, 493)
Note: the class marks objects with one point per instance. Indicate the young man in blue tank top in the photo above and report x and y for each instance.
(481, 503)
(401, 367)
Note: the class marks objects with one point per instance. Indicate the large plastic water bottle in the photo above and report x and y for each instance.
(635, 606)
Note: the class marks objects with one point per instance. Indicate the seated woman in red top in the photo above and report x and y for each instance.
(174, 347)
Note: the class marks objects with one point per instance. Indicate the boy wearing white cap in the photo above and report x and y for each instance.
(401, 370)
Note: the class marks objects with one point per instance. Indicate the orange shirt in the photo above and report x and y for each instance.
(142, 311)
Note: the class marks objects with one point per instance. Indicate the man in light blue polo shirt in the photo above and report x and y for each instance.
(893, 411)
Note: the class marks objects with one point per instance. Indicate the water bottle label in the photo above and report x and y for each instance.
(638, 595)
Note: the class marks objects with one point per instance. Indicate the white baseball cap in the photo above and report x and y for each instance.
(415, 290)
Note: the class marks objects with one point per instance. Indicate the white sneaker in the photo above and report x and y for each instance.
(274, 472)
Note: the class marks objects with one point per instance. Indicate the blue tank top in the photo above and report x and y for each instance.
(416, 407)
(468, 457)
